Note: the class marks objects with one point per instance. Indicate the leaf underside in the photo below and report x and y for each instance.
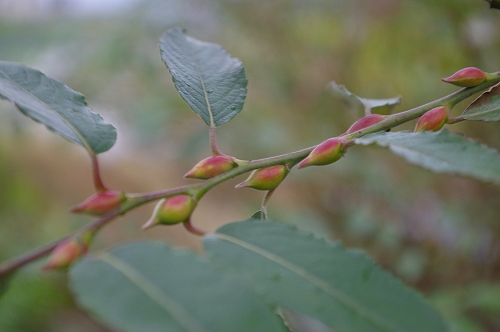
(151, 287)
(55, 105)
(211, 81)
(363, 105)
(342, 288)
(441, 152)
(486, 107)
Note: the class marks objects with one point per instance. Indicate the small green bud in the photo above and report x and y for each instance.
(265, 178)
(364, 122)
(324, 153)
(432, 120)
(467, 77)
(173, 210)
(100, 203)
(210, 167)
(68, 251)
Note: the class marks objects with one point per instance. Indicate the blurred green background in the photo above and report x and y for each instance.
(439, 233)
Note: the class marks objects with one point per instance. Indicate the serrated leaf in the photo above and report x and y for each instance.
(210, 80)
(363, 105)
(441, 152)
(342, 288)
(55, 105)
(150, 287)
(486, 107)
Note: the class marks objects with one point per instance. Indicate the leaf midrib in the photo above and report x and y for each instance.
(82, 139)
(323, 285)
(169, 305)
(449, 164)
(202, 81)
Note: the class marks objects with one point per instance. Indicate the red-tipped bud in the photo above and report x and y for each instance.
(210, 167)
(325, 153)
(68, 251)
(432, 120)
(265, 178)
(364, 122)
(173, 210)
(100, 203)
(467, 77)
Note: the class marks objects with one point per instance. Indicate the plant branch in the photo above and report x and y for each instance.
(198, 190)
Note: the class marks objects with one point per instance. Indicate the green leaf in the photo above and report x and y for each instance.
(485, 108)
(441, 152)
(54, 104)
(342, 288)
(150, 287)
(210, 80)
(4, 281)
(363, 105)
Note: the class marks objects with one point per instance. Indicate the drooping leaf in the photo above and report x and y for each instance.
(441, 152)
(54, 104)
(363, 105)
(210, 80)
(150, 287)
(486, 107)
(342, 288)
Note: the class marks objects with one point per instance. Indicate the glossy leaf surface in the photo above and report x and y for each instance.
(55, 105)
(150, 287)
(210, 80)
(441, 152)
(343, 288)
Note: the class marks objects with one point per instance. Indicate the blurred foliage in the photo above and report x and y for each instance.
(441, 234)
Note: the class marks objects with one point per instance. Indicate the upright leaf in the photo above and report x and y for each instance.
(150, 287)
(54, 104)
(210, 80)
(441, 152)
(340, 287)
(363, 105)
(486, 107)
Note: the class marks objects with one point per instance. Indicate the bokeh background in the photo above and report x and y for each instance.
(440, 234)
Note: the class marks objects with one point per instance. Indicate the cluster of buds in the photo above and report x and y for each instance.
(467, 77)
(172, 210)
(211, 166)
(324, 153)
(100, 203)
(265, 178)
(432, 120)
(68, 251)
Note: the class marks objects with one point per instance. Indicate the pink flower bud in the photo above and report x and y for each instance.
(467, 77)
(210, 167)
(432, 120)
(68, 251)
(364, 122)
(100, 203)
(323, 154)
(265, 178)
(173, 210)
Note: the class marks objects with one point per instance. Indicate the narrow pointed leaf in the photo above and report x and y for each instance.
(343, 288)
(150, 287)
(55, 105)
(210, 80)
(441, 152)
(486, 107)
(363, 105)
